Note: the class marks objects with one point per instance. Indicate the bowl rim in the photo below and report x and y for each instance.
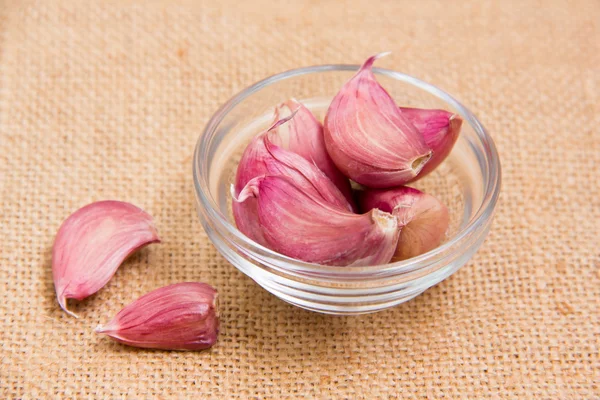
(482, 215)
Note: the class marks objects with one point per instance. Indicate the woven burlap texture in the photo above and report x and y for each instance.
(105, 100)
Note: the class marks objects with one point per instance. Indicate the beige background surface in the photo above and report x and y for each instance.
(106, 99)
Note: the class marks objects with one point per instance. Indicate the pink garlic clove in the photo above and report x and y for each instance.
(303, 135)
(424, 220)
(92, 243)
(262, 157)
(439, 128)
(183, 316)
(305, 227)
(368, 138)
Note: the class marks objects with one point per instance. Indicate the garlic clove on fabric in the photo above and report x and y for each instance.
(92, 243)
(182, 316)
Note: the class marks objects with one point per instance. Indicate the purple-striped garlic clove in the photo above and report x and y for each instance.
(182, 316)
(440, 130)
(368, 138)
(303, 135)
(261, 158)
(423, 219)
(303, 226)
(92, 243)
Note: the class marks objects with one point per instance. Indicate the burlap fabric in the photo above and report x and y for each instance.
(105, 100)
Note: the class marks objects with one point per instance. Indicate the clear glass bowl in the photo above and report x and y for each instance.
(468, 182)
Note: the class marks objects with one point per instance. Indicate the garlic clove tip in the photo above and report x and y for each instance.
(62, 302)
(283, 120)
(377, 56)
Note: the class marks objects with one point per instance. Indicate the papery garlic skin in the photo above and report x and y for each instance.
(182, 316)
(424, 220)
(368, 138)
(303, 135)
(92, 243)
(261, 158)
(440, 130)
(307, 228)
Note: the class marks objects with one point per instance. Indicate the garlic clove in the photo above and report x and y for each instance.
(182, 316)
(303, 135)
(424, 220)
(305, 227)
(368, 138)
(439, 128)
(306, 175)
(92, 243)
(262, 157)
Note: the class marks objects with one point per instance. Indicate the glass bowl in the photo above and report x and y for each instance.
(468, 182)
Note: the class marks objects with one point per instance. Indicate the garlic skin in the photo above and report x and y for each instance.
(92, 243)
(368, 138)
(303, 135)
(303, 226)
(261, 158)
(424, 220)
(440, 130)
(182, 316)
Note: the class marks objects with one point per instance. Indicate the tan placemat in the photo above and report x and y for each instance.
(106, 99)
